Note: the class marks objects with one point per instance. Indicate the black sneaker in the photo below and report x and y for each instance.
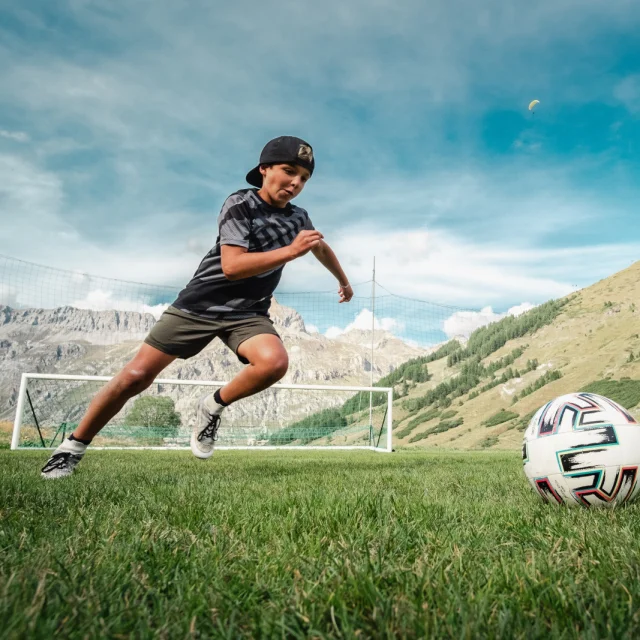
(205, 433)
(64, 459)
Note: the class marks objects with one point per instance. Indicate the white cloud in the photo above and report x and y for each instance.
(415, 259)
(526, 143)
(432, 265)
(520, 309)
(464, 323)
(100, 300)
(627, 91)
(17, 136)
(197, 246)
(442, 267)
(8, 295)
(36, 205)
(470, 237)
(464, 237)
(78, 277)
(363, 322)
(31, 196)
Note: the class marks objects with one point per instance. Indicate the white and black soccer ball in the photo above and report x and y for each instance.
(583, 449)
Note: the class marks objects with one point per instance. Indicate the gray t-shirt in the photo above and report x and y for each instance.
(245, 220)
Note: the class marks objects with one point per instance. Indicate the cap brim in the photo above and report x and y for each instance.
(254, 177)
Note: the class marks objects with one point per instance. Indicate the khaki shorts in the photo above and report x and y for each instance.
(184, 335)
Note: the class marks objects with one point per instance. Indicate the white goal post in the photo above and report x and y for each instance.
(284, 416)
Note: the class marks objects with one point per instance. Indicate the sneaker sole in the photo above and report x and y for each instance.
(197, 452)
(56, 476)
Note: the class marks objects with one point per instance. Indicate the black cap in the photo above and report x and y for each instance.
(283, 150)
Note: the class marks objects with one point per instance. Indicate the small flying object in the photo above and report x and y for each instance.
(533, 104)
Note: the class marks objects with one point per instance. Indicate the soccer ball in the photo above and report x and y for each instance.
(583, 449)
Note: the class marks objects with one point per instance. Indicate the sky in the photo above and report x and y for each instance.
(125, 125)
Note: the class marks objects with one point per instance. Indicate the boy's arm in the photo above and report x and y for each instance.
(323, 252)
(238, 263)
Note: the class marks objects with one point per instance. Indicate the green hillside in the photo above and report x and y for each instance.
(482, 394)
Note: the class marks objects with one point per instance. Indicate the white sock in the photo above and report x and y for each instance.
(72, 446)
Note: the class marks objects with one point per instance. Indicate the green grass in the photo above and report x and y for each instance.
(625, 392)
(420, 419)
(307, 544)
(500, 417)
(441, 427)
(489, 442)
(522, 423)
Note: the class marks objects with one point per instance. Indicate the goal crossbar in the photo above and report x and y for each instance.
(386, 446)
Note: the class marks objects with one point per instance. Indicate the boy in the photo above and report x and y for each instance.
(228, 297)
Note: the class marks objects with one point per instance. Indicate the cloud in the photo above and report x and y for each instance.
(480, 259)
(464, 323)
(25, 284)
(627, 91)
(17, 136)
(440, 267)
(165, 79)
(152, 118)
(472, 237)
(9, 295)
(520, 309)
(30, 192)
(99, 300)
(78, 277)
(527, 143)
(40, 229)
(363, 322)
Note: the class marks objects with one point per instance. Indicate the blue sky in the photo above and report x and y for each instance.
(124, 126)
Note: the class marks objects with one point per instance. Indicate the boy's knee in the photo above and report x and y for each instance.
(280, 366)
(275, 365)
(134, 380)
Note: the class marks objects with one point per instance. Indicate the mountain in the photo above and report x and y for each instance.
(77, 341)
(480, 392)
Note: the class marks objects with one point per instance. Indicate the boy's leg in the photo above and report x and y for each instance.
(268, 363)
(134, 378)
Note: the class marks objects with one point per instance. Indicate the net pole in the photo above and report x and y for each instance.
(35, 417)
(63, 428)
(373, 328)
(384, 419)
(390, 420)
(17, 423)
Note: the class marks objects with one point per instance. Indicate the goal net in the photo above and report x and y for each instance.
(49, 407)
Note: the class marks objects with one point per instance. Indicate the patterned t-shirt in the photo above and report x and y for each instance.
(245, 220)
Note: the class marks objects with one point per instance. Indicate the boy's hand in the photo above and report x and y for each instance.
(304, 242)
(345, 292)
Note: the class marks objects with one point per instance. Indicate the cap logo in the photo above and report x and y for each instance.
(305, 153)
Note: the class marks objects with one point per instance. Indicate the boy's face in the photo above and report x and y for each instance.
(281, 183)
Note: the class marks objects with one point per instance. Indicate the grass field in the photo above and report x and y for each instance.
(307, 544)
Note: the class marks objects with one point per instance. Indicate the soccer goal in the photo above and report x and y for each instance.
(284, 416)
